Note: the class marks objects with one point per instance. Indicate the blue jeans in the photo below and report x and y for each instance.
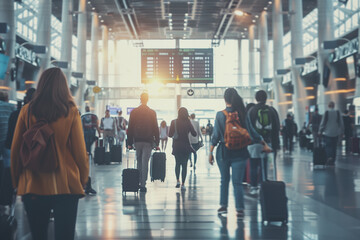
(238, 171)
(330, 147)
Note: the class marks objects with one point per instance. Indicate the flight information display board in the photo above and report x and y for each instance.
(183, 65)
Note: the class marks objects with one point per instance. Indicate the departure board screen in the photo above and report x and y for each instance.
(184, 65)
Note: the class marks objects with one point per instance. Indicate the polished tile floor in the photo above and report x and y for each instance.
(323, 204)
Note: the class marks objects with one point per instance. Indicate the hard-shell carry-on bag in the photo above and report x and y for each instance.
(273, 198)
(355, 147)
(158, 166)
(116, 153)
(100, 152)
(8, 223)
(130, 177)
(319, 154)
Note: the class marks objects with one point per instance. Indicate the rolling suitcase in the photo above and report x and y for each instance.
(319, 155)
(355, 147)
(158, 166)
(116, 153)
(130, 178)
(8, 223)
(273, 198)
(99, 157)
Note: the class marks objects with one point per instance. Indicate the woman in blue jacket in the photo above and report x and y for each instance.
(226, 158)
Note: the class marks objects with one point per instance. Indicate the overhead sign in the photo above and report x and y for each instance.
(190, 92)
(96, 89)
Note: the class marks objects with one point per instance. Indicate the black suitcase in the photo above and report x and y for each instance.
(99, 157)
(158, 166)
(8, 223)
(6, 188)
(319, 155)
(116, 153)
(130, 178)
(273, 198)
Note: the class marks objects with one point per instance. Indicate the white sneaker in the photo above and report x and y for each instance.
(253, 191)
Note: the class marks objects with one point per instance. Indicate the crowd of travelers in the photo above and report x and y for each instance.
(53, 176)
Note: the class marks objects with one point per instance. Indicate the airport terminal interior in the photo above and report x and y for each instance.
(186, 53)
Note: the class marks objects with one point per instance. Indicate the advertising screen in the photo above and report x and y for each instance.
(184, 65)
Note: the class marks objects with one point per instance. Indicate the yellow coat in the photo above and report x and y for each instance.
(73, 170)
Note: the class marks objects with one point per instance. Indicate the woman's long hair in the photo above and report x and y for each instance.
(183, 114)
(52, 98)
(163, 124)
(232, 97)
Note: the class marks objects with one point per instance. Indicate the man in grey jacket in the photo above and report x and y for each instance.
(332, 127)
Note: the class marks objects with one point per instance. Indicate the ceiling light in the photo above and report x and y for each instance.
(89, 2)
(256, 16)
(239, 13)
(184, 28)
(254, 21)
(245, 29)
(93, 8)
(270, 2)
(102, 20)
(265, 8)
(170, 20)
(170, 24)
(110, 29)
(99, 16)
(186, 14)
(170, 14)
(185, 20)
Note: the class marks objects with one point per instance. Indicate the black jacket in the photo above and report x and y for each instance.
(274, 138)
(143, 126)
(181, 145)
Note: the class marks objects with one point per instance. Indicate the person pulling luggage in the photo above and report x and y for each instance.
(90, 123)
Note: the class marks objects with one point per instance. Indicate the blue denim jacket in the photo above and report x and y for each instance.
(218, 138)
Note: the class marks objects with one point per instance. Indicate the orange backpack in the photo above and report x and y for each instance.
(235, 136)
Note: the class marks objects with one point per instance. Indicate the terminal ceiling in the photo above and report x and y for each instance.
(150, 19)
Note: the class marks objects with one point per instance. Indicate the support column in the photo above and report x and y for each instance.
(278, 32)
(44, 32)
(264, 49)
(116, 66)
(66, 36)
(357, 82)
(7, 16)
(177, 85)
(105, 56)
(325, 33)
(240, 70)
(252, 80)
(299, 99)
(81, 53)
(94, 72)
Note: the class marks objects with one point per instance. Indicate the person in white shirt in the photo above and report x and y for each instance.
(194, 141)
(164, 133)
(108, 125)
(121, 124)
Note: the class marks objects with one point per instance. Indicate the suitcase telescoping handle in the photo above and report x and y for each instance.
(263, 166)
(127, 158)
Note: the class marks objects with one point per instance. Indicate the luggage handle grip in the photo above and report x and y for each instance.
(263, 167)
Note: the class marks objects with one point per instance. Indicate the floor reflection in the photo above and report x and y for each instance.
(323, 204)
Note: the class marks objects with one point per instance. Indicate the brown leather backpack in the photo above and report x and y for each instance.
(38, 150)
(235, 136)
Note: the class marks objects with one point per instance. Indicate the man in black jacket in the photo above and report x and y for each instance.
(143, 132)
(265, 121)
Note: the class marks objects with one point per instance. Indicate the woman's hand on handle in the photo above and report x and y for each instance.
(211, 156)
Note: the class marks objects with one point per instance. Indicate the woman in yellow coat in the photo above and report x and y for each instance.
(61, 189)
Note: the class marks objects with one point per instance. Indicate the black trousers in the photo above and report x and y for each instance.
(181, 160)
(38, 212)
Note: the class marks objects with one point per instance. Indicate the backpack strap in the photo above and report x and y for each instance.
(225, 113)
(326, 117)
